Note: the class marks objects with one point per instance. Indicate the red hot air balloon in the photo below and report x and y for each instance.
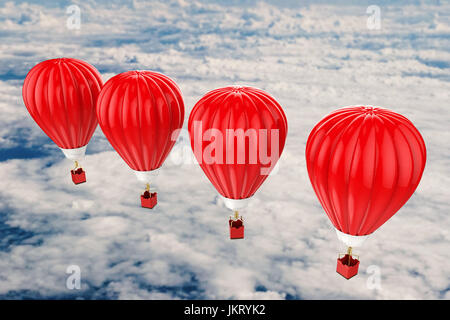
(364, 163)
(140, 113)
(60, 95)
(237, 135)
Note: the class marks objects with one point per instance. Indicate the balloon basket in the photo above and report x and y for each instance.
(346, 269)
(149, 200)
(236, 229)
(78, 176)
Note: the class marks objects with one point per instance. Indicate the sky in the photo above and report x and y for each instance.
(313, 57)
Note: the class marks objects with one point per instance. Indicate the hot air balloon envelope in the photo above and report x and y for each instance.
(60, 95)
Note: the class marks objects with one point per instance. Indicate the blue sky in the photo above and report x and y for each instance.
(313, 58)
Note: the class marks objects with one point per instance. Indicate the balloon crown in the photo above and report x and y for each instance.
(238, 88)
(369, 109)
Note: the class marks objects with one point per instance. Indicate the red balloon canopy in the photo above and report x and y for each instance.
(60, 95)
(237, 169)
(139, 113)
(364, 163)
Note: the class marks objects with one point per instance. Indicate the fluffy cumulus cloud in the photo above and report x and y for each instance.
(312, 59)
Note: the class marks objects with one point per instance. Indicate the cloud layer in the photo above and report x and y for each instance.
(312, 59)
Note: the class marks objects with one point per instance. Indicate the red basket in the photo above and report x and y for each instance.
(236, 229)
(344, 268)
(149, 200)
(78, 176)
